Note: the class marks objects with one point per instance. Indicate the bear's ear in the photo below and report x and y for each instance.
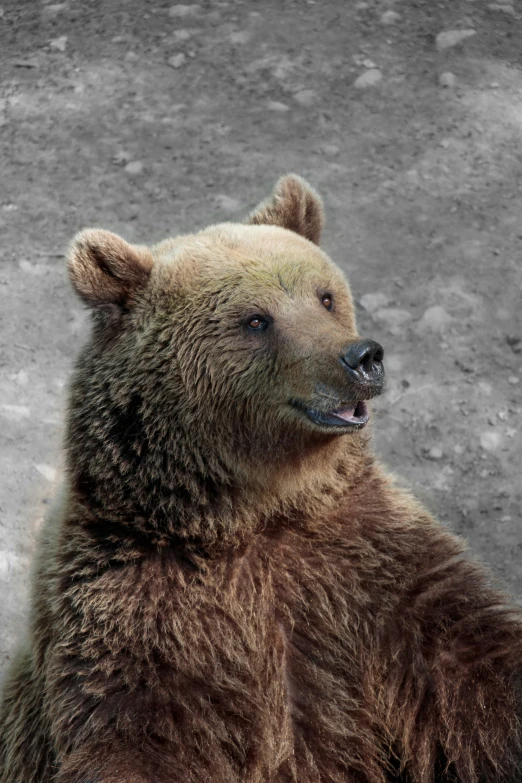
(293, 205)
(106, 270)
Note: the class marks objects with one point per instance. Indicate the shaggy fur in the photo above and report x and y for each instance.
(224, 591)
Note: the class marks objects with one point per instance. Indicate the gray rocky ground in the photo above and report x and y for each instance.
(149, 118)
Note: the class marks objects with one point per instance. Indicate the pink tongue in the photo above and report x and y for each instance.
(345, 413)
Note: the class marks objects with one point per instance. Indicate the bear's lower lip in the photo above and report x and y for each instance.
(345, 417)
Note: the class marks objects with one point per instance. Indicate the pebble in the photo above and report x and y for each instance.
(514, 342)
(15, 412)
(372, 302)
(30, 62)
(54, 8)
(305, 98)
(503, 8)
(491, 441)
(513, 380)
(240, 37)
(393, 317)
(47, 472)
(368, 79)
(447, 79)
(179, 11)
(10, 562)
(134, 168)
(331, 150)
(435, 318)
(132, 57)
(228, 203)
(450, 38)
(435, 453)
(182, 35)
(390, 17)
(59, 43)
(277, 106)
(177, 60)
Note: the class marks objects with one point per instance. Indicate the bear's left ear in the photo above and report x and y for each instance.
(293, 205)
(106, 270)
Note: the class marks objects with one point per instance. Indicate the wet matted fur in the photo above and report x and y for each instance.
(226, 591)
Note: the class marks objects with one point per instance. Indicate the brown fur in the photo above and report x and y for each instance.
(224, 592)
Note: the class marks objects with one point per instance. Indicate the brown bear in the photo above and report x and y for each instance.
(231, 589)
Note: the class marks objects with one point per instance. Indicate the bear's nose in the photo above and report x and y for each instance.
(363, 362)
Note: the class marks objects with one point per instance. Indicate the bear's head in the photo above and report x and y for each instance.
(219, 362)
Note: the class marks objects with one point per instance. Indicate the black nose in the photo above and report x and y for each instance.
(363, 361)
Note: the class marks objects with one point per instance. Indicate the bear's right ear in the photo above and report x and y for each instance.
(106, 270)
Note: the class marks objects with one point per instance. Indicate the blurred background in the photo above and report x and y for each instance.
(150, 119)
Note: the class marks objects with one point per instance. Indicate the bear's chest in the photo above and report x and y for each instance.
(269, 647)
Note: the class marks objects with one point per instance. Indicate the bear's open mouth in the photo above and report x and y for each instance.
(346, 416)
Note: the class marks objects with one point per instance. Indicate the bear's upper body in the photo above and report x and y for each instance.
(231, 589)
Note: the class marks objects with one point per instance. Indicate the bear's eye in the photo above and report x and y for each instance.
(257, 323)
(327, 301)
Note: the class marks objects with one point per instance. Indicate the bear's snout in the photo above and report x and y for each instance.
(362, 361)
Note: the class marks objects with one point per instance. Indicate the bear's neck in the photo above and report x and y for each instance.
(210, 508)
(147, 476)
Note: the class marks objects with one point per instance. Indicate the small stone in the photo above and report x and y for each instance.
(362, 6)
(491, 441)
(47, 472)
(435, 453)
(54, 9)
(393, 317)
(30, 62)
(134, 168)
(435, 319)
(121, 157)
(228, 203)
(119, 39)
(132, 57)
(513, 380)
(511, 432)
(372, 302)
(502, 415)
(369, 79)
(444, 143)
(306, 98)
(59, 43)
(390, 17)
(182, 35)
(503, 8)
(180, 11)
(277, 106)
(514, 342)
(331, 150)
(451, 38)
(447, 79)
(15, 412)
(458, 449)
(366, 63)
(240, 38)
(177, 60)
